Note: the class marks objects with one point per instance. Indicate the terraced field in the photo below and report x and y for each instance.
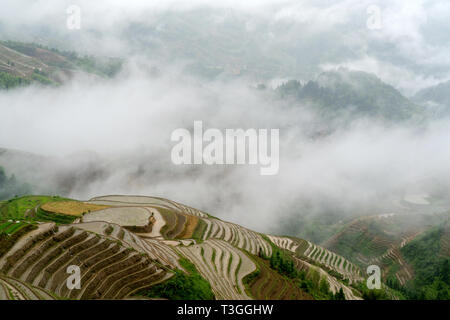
(392, 259)
(334, 284)
(319, 255)
(377, 240)
(236, 235)
(10, 227)
(155, 249)
(171, 219)
(34, 63)
(110, 269)
(270, 285)
(126, 244)
(334, 261)
(23, 65)
(25, 207)
(126, 216)
(45, 208)
(175, 223)
(43, 215)
(144, 201)
(13, 289)
(361, 242)
(181, 221)
(223, 265)
(285, 243)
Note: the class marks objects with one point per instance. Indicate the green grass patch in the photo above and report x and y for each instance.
(182, 286)
(16, 208)
(5, 225)
(43, 215)
(199, 230)
(14, 227)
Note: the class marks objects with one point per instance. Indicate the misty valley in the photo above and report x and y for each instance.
(185, 150)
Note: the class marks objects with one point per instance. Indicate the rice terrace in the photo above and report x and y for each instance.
(146, 247)
(141, 247)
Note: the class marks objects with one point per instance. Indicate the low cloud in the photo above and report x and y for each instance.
(113, 136)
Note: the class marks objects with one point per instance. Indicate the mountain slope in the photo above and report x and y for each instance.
(127, 245)
(429, 258)
(25, 63)
(437, 98)
(353, 94)
(395, 242)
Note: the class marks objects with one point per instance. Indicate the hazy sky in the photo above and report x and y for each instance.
(409, 48)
